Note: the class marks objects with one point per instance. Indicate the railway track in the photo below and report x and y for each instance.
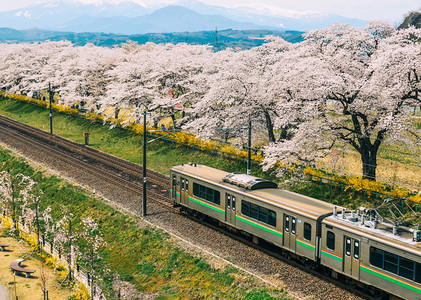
(85, 153)
(47, 144)
(158, 185)
(277, 253)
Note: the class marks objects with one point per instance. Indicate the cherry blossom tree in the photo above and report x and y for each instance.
(359, 88)
(79, 74)
(23, 195)
(240, 85)
(63, 236)
(7, 194)
(30, 195)
(92, 235)
(340, 85)
(28, 67)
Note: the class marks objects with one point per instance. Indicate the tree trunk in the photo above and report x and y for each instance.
(173, 119)
(269, 126)
(284, 133)
(368, 154)
(13, 206)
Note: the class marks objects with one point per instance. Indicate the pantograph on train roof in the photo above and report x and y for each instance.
(249, 182)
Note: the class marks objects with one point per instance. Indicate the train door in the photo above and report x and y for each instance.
(184, 190)
(230, 207)
(290, 231)
(174, 188)
(351, 262)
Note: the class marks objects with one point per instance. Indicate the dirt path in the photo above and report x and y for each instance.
(4, 295)
(26, 288)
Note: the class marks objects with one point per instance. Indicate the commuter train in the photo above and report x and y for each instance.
(352, 246)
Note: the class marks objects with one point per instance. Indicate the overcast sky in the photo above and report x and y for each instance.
(391, 10)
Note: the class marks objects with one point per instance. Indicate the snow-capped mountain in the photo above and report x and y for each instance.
(171, 15)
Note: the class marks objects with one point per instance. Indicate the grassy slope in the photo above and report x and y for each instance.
(160, 155)
(145, 256)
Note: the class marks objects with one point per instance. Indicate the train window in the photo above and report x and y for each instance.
(233, 203)
(196, 189)
(293, 225)
(330, 240)
(406, 268)
(228, 201)
(391, 262)
(263, 214)
(206, 193)
(216, 197)
(394, 263)
(418, 272)
(182, 184)
(287, 223)
(174, 181)
(376, 257)
(254, 211)
(348, 247)
(272, 218)
(356, 249)
(307, 231)
(203, 193)
(209, 194)
(245, 208)
(174, 186)
(187, 185)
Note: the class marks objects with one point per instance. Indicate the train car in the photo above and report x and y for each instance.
(374, 253)
(253, 206)
(347, 244)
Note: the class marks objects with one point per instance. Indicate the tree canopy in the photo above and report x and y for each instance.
(341, 84)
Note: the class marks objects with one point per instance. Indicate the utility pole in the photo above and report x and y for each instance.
(216, 40)
(51, 109)
(144, 166)
(249, 149)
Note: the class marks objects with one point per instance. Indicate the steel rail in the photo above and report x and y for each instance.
(107, 176)
(118, 163)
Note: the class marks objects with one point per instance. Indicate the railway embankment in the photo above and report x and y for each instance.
(139, 259)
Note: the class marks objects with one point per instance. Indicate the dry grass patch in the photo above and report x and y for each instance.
(27, 288)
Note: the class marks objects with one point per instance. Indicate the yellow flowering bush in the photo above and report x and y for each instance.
(369, 186)
(80, 292)
(7, 221)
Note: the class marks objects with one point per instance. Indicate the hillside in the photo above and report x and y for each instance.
(413, 18)
(226, 38)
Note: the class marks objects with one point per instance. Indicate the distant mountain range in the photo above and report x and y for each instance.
(187, 15)
(219, 40)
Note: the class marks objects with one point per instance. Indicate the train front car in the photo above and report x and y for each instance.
(254, 207)
(373, 253)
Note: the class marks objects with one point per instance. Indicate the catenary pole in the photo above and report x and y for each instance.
(249, 149)
(51, 109)
(144, 166)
